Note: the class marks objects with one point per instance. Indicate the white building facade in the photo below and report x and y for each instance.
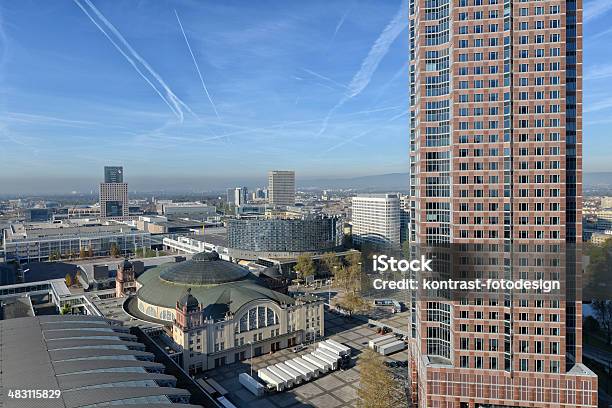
(376, 219)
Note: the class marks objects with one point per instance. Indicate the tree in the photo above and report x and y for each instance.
(377, 387)
(353, 302)
(90, 252)
(353, 258)
(65, 310)
(406, 249)
(68, 280)
(331, 262)
(603, 314)
(82, 253)
(305, 266)
(114, 250)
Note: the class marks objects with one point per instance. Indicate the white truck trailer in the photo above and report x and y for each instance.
(390, 348)
(330, 348)
(378, 340)
(255, 387)
(330, 354)
(298, 378)
(272, 380)
(315, 370)
(322, 364)
(344, 350)
(306, 373)
(288, 379)
(333, 362)
(378, 345)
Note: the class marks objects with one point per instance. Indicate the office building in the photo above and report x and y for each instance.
(375, 219)
(237, 195)
(114, 202)
(252, 238)
(38, 214)
(218, 312)
(28, 242)
(495, 162)
(281, 188)
(192, 210)
(240, 195)
(404, 218)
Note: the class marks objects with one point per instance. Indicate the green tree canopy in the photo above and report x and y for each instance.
(305, 266)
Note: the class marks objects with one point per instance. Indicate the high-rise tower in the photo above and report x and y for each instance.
(495, 164)
(281, 188)
(114, 202)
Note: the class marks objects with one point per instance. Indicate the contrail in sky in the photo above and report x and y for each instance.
(175, 104)
(323, 77)
(369, 65)
(196, 66)
(359, 135)
(340, 23)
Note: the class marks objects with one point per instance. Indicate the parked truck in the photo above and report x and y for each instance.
(315, 370)
(380, 344)
(306, 373)
(298, 378)
(255, 387)
(378, 340)
(288, 379)
(333, 362)
(323, 365)
(272, 380)
(344, 350)
(390, 348)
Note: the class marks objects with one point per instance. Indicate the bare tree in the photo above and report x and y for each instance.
(377, 387)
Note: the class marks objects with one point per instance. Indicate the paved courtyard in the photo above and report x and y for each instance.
(337, 389)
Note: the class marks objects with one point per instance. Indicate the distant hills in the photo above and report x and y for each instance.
(377, 183)
(597, 179)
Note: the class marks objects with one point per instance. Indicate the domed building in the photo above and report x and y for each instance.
(216, 310)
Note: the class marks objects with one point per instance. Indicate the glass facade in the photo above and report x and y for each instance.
(285, 235)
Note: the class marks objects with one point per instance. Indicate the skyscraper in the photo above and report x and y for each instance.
(114, 202)
(281, 188)
(495, 162)
(240, 195)
(375, 219)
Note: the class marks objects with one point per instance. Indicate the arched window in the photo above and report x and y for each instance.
(257, 317)
(166, 315)
(151, 311)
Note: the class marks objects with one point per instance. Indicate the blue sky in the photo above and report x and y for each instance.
(315, 86)
(298, 85)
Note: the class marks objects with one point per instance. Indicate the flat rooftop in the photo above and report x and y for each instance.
(92, 361)
(50, 230)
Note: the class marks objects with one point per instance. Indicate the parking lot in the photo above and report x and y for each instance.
(336, 389)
